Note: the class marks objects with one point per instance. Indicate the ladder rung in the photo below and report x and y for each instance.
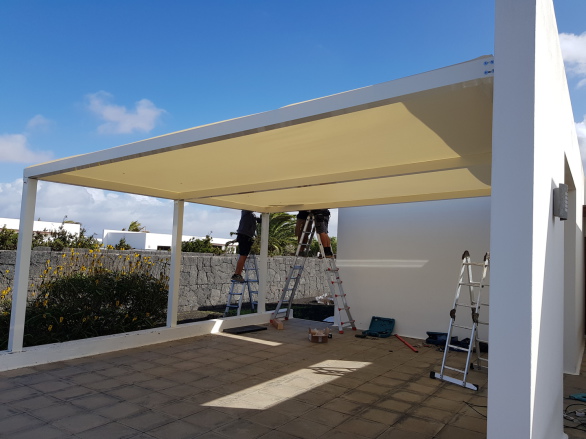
(460, 348)
(462, 327)
(470, 284)
(477, 264)
(482, 341)
(454, 369)
(482, 323)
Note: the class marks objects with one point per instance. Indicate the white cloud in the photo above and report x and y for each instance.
(14, 148)
(574, 53)
(38, 121)
(118, 119)
(97, 210)
(581, 132)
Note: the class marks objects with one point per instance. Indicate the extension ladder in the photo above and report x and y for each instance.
(237, 289)
(296, 270)
(337, 293)
(475, 289)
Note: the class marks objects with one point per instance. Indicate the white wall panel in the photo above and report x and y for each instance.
(402, 261)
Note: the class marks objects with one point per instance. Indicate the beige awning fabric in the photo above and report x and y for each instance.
(425, 137)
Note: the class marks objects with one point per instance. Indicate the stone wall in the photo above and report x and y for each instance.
(204, 280)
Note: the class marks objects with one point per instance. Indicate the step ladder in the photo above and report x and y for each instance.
(342, 316)
(296, 270)
(238, 289)
(476, 290)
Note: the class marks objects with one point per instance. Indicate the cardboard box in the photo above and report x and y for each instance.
(277, 323)
(318, 335)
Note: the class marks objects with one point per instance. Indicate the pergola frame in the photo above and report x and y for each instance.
(531, 149)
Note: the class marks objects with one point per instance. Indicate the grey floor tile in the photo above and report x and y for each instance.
(72, 392)
(18, 422)
(57, 411)
(94, 401)
(119, 410)
(80, 422)
(270, 418)
(34, 403)
(43, 432)
(146, 421)
(180, 409)
(177, 429)
(363, 427)
(17, 393)
(113, 430)
(304, 428)
(210, 419)
(243, 429)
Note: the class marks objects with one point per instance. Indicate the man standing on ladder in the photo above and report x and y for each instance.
(322, 219)
(245, 238)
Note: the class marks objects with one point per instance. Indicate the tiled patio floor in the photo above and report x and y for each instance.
(267, 384)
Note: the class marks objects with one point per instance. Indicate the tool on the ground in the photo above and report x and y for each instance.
(380, 327)
(476, 289)
(342, 318)
(406, 343)
(237, 289)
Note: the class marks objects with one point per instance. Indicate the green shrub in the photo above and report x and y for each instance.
(200, 246)
(93, 294)
(8, 239)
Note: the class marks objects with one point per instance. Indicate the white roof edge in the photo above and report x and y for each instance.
(470, 70)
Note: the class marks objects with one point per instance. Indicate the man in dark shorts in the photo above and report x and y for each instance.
(322, 219)
(245, 238)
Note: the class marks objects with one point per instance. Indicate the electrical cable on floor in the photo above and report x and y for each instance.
(577, 416)
(469, 404)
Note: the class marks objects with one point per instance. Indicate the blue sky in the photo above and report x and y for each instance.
(81, 76)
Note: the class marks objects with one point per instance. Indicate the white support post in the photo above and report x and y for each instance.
(263, 263)
(23, 261)
(174, 275)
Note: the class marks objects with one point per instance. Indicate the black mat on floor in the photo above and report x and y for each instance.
(245, 329)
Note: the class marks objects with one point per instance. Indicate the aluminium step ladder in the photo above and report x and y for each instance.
(476, 290)
(337, 293)
(296, 270)
(237, 289)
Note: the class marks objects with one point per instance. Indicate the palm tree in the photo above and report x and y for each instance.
(282, 239)
(135, 226)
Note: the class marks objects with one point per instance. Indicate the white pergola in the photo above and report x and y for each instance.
(431, 136)
(424, 137)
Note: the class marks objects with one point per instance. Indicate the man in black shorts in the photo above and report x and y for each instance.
(322, 219)
(245, 238)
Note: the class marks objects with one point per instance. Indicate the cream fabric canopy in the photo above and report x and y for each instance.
(424, 137)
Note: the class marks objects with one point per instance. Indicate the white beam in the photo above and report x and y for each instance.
(23, 261)
(174, 275)
(263, 266)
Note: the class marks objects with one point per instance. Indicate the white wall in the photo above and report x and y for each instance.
(150, 241)
(402, 261)
(533, 137)
(41, 226)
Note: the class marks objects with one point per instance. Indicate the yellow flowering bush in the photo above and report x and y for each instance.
(93, 293)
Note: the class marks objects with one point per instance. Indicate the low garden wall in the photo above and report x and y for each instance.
(204, 279)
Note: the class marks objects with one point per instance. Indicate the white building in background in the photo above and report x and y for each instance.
(154, 241)
(41, 226)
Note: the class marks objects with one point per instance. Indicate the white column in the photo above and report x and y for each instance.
(526, 282)
(263, 263)
(23, 260)
(174, 275)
